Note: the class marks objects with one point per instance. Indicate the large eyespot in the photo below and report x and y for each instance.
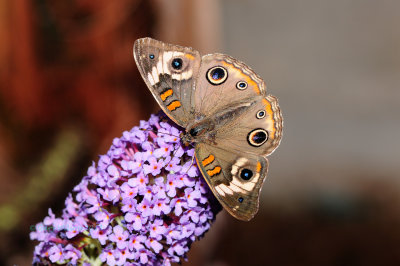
(177, 63)
(151, 56)
(217, 75)
(246, 174)
(241, 85)
(260, 114)
(257, 137)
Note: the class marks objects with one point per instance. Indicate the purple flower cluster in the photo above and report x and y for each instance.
(143, 203)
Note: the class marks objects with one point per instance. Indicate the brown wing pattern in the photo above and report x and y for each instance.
(213, 94)
(170, 72)
(235, 178)
(257, 131)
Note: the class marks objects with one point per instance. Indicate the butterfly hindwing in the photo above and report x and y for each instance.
(258, 130)
(170, 72)
(235, 178)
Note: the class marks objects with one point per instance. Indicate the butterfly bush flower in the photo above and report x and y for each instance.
(144, 202)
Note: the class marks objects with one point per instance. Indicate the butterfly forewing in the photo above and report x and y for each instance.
(224, 82)
(170, 72)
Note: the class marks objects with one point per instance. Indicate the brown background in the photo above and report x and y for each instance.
(69, 85)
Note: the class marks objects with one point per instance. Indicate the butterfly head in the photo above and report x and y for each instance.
(198, 132)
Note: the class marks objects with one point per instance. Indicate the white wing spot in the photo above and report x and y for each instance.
(184, 75)
(219, 190)
(150, 78)
(225, 189)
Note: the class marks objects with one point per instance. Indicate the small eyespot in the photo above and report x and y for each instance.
(151, 56)
(260, 114)
(177, 63)
(246, 174)
(257, 137)
(217, 75)
(241, 85)
(240, 199)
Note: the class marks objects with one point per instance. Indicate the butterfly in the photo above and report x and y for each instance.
(227, 115)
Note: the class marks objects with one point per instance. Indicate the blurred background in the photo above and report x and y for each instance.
(69, 85)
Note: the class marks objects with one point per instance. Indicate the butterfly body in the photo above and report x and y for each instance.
(206, 129)
(226, 113)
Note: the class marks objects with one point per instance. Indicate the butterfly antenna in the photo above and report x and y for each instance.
(191, 164)
(165, 133)
(169, 134)
(173, 155)
(176, 148)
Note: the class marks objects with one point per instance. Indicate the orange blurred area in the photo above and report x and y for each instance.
(69, 85)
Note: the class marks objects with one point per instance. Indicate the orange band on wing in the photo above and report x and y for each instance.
(248, 79)
(268, 108)
(254, 84)
(208, 160)
(173, 105)
(189, 56)
(215, 171)
(258, 167)
(166, 94)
